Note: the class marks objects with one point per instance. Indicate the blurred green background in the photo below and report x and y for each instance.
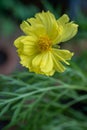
(35, 102)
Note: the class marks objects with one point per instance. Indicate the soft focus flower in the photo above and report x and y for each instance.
(38, 49)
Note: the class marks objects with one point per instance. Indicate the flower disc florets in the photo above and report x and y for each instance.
(44, 43)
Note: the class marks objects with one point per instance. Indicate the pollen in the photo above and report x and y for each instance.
(44, 43)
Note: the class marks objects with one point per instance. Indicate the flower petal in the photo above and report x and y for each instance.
(58, 66)
(25, 27)
(18, 42)
(30, 46)
(63, 55)
(43, 63)
(26, 61)
(47, 19)
(68, 29)
(37, 61)
(63, 19)
(49, 22)
(34, 30)
(26, 45)
(46, 62)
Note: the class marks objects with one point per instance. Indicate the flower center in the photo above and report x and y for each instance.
(44, 43)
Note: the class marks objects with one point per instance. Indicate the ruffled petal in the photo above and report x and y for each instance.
(47, 62)
(57, 65)
(26, 45)
(33, 29)
(60, 56)
(63, 19)
(63, 55)
(25, 27)
(18, 42)
(49, 22)
(68, 29)
(26, 61)
(30, 46)
(43, 63)
(37, 60)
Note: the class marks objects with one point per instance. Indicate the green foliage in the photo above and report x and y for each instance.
(36, 102)
(12, 13)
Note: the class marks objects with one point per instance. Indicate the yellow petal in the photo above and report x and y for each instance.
(43, 63)
(18, 42)
(63, 55)
(46, 62)
(30, 45)
(37, 60)
(68, 29)
(63, 19)
(25, 27)
(26, 61)
(58, 66)
(49, 22)
(34, 22)
(47, 19)
(29, 40)
(35, 30)
(29, 50)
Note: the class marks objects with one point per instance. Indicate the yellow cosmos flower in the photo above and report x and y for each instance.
(38, 49)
